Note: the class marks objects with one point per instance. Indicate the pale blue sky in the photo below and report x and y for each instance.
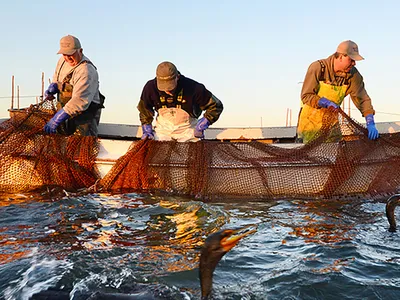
(250, 54)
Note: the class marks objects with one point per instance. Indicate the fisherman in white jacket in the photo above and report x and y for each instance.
(76, 84)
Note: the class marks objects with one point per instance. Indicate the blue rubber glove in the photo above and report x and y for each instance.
(51, 90)
(55, 121)
(373, 133)
(325, 103)
(147, 132)
(202, 124)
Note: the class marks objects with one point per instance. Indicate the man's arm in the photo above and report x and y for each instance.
(146, 112)
(146, 104)
(309, 90)
(213, 109)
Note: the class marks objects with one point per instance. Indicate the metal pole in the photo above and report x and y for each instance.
(287, 115)
(42, 85)
(18, 96)
(12, 92)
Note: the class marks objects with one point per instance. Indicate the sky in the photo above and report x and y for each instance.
(253, 55)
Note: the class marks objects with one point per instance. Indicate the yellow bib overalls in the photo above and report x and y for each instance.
(310, 119)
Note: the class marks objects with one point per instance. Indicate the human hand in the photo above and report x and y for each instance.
(373, 133)
(51, 90)
(58, 118)
(202, 124)
(325, 103)
(147, 132)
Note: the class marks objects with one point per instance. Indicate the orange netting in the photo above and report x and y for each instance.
(352, 166)
(31, 159)
(348, 167)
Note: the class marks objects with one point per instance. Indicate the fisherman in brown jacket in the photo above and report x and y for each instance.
(327, 82)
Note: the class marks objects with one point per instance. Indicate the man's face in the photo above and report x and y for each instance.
(171, 93)
(345, 63)
(73, 59)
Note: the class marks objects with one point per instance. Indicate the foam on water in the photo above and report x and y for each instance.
(42, 274)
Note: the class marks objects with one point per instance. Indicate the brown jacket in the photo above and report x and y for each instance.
(353, 79)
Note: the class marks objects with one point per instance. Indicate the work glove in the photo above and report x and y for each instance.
(147, 132)
(202, 124)
(325, 103)
(55, 121)
(373, 133)
(51, 90)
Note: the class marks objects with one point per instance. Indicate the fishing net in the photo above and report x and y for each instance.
(30, 159)
(341, 162)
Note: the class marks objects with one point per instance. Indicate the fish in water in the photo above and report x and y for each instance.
(215, 247)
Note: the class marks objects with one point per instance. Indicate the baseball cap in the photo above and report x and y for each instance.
(166, 73)
(68, 45)
(349, 48)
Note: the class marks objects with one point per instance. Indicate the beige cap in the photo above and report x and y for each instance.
(349, 48)
(68, 45)
(166, 73)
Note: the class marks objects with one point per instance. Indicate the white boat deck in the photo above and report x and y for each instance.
(122, 131)
(109, 152)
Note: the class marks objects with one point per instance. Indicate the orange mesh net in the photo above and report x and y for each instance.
(31, 159)
(348, 167)
(352, 166)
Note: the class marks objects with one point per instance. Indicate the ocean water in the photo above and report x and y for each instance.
(149, 245)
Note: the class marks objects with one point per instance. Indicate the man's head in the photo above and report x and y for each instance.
(346, 56)
(70, 48)
(350, 49)
(167, 76)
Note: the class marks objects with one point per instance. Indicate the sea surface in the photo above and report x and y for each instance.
(149, 245)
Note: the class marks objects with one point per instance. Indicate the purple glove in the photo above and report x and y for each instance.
(373, 133)
(147, 132)
(51, 90)
(55, 121)
(325, 103)
(202, 124)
